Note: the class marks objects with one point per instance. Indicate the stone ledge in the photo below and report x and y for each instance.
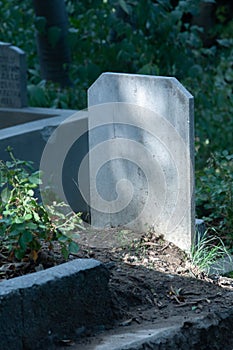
(38, 309)
(10, 117)
(205, 332)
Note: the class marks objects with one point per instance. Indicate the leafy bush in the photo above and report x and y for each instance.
(215, 193)
(17, 27)
(24, 223)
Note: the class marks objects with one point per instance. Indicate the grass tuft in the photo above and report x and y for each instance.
(208, 250)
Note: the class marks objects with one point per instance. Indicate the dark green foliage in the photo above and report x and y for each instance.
(146, 37)
(215, 193)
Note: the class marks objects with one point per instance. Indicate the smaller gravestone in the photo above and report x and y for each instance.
(13, 82)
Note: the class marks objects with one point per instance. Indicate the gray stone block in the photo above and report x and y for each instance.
(141, 151)
(39, 309)
(28, 134)
(11, 320)
(13, 76)
(207, 331)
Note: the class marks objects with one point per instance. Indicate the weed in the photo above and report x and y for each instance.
(208, 250)
(24, 223)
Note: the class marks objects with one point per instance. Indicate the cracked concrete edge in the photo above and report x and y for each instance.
(137, 340)
(212, 330)
(38, 309)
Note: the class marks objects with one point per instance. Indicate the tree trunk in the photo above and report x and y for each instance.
(206, 20)
(52, 44)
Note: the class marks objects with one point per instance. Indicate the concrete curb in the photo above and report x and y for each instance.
(38, 309)
(210, 331)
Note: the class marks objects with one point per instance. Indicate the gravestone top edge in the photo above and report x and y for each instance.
(2, 43)
(12, 47)
(17, 50)
(175, 82)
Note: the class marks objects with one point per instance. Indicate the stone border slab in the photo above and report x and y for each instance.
(41, 308)
(10, 117)
(208, 331)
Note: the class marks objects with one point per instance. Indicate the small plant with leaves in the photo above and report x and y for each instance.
(25, 225)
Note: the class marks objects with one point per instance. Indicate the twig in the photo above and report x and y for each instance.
(164, 248)
(193, 302)
(149, 243)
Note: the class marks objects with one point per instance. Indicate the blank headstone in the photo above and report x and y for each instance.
(13, 82)
(141, 154)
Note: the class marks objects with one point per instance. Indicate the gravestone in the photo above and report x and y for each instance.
(141, 155)
(13, 83)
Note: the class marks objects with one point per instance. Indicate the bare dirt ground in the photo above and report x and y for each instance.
(151, 279)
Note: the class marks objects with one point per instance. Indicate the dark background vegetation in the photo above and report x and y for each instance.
(190, 40)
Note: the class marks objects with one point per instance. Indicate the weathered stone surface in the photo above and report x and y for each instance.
(141, 151)
(13, 76)
(27, 131)
(11, 320)
(44, 307)
(208, 331)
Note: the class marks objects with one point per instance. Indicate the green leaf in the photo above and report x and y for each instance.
(10, 164)
(195, 70)
(65, 252)
(124, 6)
(225, 42)
(5, 195)
(73, 247)
(27, 216)
(14, 233)
(229, 75)
(35, 178)
(36, 216)
(31, 226)
(19, 220)
(3, 179)
(62, 238)
(19, 254)
(25, 238)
